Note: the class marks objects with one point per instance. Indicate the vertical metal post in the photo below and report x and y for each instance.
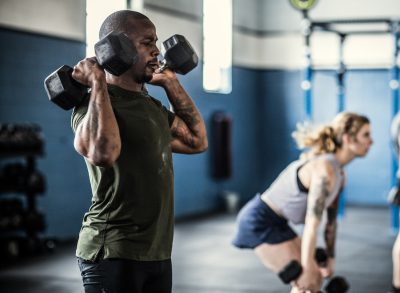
(394, 87)
(306, 84)
(341, 88)
(340, 76)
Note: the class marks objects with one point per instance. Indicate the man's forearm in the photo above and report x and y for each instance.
(188, 130)
(185, 108)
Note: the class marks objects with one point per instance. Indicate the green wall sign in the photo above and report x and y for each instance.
(303, 4)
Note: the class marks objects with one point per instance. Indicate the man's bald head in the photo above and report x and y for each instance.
(121, 21)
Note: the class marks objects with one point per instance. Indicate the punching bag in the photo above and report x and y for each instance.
(221, 159)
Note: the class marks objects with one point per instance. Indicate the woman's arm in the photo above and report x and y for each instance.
(330, 228)
(319, 191)
(321, 184)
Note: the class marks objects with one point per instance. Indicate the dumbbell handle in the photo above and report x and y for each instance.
(163, 66)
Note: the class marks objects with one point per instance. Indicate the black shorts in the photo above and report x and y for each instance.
(257, 223)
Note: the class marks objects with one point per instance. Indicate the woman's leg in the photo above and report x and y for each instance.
(396, 262)
(276, 256)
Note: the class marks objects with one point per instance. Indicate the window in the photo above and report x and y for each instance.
(217, 42)
(96, 12)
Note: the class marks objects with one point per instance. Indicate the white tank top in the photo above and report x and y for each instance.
(395, 137)
(284, 192)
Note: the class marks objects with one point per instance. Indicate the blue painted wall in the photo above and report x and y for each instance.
(26, 59)
(264, 105)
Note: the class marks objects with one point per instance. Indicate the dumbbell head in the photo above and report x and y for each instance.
(321, 257)
(115, 53)
(337, 285)
(62, 89)
(179, 54)
(290, 272)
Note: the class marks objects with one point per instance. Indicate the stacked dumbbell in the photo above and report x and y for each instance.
(116, 54)
(20, 138)
(14, 217)
(17, 177)
(11, 215)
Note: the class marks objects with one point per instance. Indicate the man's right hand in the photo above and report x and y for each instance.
(88, 71)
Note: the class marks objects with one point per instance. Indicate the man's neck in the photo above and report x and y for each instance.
(125, 83)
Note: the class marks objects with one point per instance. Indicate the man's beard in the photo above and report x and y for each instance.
(143, 78)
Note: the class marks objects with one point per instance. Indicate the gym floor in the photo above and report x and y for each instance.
(205, 262)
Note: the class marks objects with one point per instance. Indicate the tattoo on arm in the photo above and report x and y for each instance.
(317, 196)
(188, 129)
(330, 231)
(180, 132)
(187, 113)
(94, 125)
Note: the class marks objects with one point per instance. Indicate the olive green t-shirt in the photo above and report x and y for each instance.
(131, 215)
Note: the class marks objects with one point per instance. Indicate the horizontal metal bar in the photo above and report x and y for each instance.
(354, 21)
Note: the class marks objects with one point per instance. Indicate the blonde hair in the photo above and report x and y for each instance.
(328, 138)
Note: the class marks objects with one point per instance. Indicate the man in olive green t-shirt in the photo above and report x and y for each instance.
(127, 138)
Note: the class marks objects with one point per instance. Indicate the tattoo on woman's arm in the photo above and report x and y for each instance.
(330, 231)
(317, 197)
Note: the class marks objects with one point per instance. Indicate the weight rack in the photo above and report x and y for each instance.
(21, 223)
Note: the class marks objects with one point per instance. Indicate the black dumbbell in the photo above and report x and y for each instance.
(115, 53)
(179, 55)
(336, 284)
(290, 272)
(321, 257)
(63, 90)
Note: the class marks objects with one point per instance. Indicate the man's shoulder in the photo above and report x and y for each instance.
(155, 101)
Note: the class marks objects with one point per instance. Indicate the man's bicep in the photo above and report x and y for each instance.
(76, 124)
